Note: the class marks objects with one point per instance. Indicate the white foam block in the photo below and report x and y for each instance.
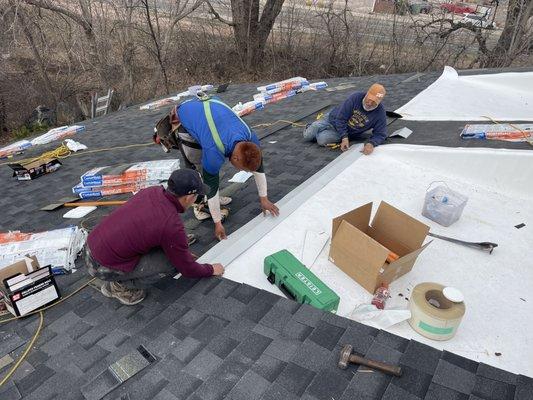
(403, 132)
(241, 177)
(79, 212)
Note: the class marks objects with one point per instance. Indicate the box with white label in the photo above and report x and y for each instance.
(27, 287)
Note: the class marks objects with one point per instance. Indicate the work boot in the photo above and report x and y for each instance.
(200, 212)
(224, 212)
(126, 296)
(224, 201)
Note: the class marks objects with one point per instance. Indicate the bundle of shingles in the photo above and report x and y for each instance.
(508, 132)
(58, 248)
(129, 178)
(192, 91)
(50, 136)
(277, 91)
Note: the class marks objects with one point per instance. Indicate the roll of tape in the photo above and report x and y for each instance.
(432, 314)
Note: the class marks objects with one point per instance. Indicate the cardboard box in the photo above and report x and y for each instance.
(32, 170)
(26, 286)
(360, 247)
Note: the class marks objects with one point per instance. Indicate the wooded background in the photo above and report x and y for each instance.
(56, 53)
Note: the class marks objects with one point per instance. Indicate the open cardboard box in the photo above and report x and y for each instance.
(27, 171)
(360, 248)
(26, 286)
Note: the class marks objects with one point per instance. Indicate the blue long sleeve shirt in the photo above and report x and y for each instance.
(231, 128)
(351, 119)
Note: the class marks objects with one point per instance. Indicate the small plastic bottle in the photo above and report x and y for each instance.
(380, 296)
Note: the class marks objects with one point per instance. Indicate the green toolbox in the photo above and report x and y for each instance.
(298, 283)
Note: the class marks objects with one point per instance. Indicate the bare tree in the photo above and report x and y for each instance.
(161, 28)
(123, 30)
(251, 27)
(514, 40)
(20, 15)
(516, 37)
(85, 20)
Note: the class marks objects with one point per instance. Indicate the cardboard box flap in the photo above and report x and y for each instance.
(396, 224)
(21, 282)
(392, 245)
(402, 266)
(357, 254)
(23, 266)
(360, 218)
(413, 255)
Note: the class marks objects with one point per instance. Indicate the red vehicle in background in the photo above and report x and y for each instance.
(458, 8)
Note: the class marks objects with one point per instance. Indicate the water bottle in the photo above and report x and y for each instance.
(381, 295)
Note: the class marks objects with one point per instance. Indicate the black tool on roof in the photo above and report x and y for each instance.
(222, 88)
(484, 246)
(392, 114)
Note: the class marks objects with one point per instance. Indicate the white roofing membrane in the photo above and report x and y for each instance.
(500, 97)
(498, 288)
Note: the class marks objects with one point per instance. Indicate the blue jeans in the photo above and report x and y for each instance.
(322, 132)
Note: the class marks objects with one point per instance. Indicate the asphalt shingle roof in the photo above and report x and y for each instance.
(215, 338)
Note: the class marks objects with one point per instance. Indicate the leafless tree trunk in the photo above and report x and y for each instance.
(161, 28)
(19, 15)
(251, 27)
(3, 115)
(514, 41)
(128, 53)
(516, 37)
(156, 38)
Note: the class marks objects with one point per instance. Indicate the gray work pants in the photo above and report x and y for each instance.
(193, 155)
(152, 267)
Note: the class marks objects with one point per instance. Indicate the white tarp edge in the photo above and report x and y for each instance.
(501, 97)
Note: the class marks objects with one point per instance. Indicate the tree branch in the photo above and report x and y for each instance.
(217, 15)
(50, 6)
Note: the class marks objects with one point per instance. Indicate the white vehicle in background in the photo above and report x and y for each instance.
(480, 21)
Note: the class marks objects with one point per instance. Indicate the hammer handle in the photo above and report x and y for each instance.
(96, 203)
(377, 365)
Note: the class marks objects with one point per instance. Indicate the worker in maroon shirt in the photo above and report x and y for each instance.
(144, 240)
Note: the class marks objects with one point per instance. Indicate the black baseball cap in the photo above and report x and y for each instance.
(187, 181)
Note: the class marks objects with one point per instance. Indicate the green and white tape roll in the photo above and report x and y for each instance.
(436, 310)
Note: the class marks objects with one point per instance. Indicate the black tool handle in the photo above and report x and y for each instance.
(380, 366)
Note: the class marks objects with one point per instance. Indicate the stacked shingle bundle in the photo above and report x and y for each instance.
(58, 248)
(127, 178)
(277, 91)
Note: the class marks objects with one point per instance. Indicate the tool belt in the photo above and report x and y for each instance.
(169, 138)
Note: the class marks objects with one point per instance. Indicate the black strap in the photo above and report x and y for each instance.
(192, 145)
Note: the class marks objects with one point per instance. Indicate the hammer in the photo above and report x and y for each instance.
(347, 357)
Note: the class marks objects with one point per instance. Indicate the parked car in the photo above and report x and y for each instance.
(478, 20)
(419, 7)
(458, 8)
